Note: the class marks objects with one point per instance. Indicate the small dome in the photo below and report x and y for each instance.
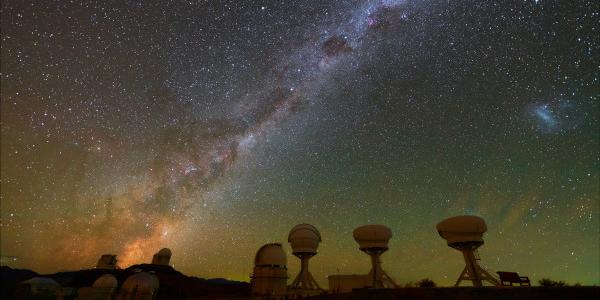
(372, 236)
(462, 229)
(270, 255)
(42, 281)
(106, 281)
(165, 252)
(142, 280)
(162, 257)
(304, 238)
(107, 261)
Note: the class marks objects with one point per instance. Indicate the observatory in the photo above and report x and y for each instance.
(465, 234)
(373, 240)
(270, 271)
(139, 286)
(104, 288)
(107, 261)
(345, 283)
(106, 281)
(40, 287)
(304, 239)
(162, 257)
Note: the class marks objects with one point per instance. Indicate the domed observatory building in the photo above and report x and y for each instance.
(373, 240)
(102, 289)
(107, 261)
(270, 271)
(139, 286)
(465, 234)
(304, 239)
(38, 288)
(162, 257)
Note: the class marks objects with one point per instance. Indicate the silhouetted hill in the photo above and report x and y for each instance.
(223, 281)
(173, 284)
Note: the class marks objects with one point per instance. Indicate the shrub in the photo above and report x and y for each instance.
(550, 282)
(426, 283)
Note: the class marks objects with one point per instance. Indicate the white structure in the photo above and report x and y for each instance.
(106, 281)
(103, 289)
(139, 286)
(270, 271)
(42, 287)
(346, 283)
(373, 240)
(304, 239)
(162, 257)
(107, 261)
(465, 234)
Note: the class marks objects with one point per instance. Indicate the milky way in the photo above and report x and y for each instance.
(212, 129)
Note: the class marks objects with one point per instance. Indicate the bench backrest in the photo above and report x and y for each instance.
(509, 276)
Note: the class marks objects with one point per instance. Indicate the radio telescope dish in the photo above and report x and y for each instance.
(465, 234)
(373, 240)
(304, 239)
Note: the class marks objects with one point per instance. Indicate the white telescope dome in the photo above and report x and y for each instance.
(106, 281)
(42, 281)
(162, 257)
(372, 236)
(462, 229)
(270, 255)
(304, 238)
(37, 285)
(165, 252)
(142, 281)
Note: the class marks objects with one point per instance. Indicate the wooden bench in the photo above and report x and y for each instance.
(508, 278)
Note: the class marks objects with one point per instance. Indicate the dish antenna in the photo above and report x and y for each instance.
(465, 234)
(373, 240)
(304, 239)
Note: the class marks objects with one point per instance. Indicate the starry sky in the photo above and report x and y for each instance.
(212, 128)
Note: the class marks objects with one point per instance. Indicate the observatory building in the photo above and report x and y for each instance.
(107, 261)
(304, 239)
(37, 288)
(270, 271)
(103, 288)
(342, 283)
(162, 257)
(139, 286)
(465, 234)
(373, 240)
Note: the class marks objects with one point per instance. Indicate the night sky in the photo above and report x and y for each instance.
(213, 128)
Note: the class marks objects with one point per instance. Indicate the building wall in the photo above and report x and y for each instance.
(346, 283)
(269, 281)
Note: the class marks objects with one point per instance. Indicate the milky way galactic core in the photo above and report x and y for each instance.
(214, 128)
